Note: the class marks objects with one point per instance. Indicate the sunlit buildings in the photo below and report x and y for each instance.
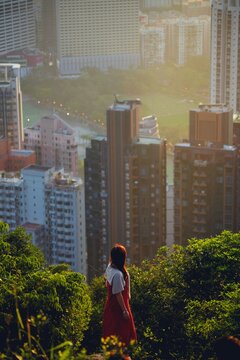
(54, 142)
(65, 220)
(125, 189)
(225, 45)
(186, 37)
(205, 176)
(17, 25)
(153, 44)
(11, 118)
(102, 34)
(50, 205)
(174, 38)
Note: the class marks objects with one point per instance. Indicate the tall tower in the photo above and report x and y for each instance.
(11, 118)
(205, 176)
(125, 189)
(102, 34)
(225, 53)
(17, 25)
(122, 132)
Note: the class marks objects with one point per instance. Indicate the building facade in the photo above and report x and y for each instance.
(174, 38)
(102, 34)
(96, 205)
(54, 142)
(130, 187)
(225, 53)
(11, 117)
(206, 176)
(50, 205)
(17, 25)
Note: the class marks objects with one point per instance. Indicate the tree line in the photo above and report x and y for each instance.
(182, 301)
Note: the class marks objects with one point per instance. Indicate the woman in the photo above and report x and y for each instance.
(117, 318)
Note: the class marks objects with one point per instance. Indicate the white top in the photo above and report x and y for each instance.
(115, 279)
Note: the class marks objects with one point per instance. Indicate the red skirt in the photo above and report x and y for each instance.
(113, 320)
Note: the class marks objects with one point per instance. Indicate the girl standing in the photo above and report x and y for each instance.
(117, 318)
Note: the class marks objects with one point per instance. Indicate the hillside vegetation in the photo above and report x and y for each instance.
(182, 300)
(167, 91)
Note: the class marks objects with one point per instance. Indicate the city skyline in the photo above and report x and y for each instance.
(127, 166)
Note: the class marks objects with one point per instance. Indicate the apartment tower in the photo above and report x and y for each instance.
(17, 25)
(102, 34)
(206, 176)
(126, 199)
(50, 205)
(225, 53)
(54, 142)
(11, 118)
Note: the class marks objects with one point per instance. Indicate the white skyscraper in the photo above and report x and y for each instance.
(225, 53)
(17, 25)
(98, 33)
(50, 205)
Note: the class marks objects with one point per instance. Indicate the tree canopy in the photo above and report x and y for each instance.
(47, 303)
(182, 300)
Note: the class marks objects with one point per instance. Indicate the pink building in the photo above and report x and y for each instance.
(54, 142)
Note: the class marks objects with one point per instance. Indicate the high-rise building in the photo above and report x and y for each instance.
(211, 124)
(153, 44)
(172, 38)
(50, 205)
(54, 142)
(96, 205)
(206, 176)
(225, 53)
(48, 26)
(125, 187)
(102, 34)
(11, 118)
(17, 25)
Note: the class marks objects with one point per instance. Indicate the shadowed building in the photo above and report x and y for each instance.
(131, 205)
(11, 118)
(205, 176)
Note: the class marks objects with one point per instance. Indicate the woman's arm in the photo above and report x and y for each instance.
(122, 305)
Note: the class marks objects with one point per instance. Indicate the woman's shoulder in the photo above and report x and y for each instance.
(112, 272)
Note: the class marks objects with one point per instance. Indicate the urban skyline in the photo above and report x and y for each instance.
(126, 167)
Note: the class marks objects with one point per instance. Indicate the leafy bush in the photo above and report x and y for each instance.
(29, 289)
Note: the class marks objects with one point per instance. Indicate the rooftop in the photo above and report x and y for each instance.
(149, 140)
(37, 168)
(207, 146)
(122, 105)
(215, 108)
(21, 152)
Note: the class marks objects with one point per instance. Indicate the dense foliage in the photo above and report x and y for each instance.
(186, 298)
(182, 300)
(48, 304)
